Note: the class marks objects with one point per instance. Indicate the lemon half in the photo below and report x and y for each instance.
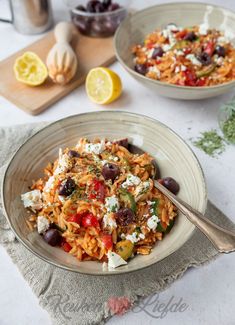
(103, 85)
(30, 69)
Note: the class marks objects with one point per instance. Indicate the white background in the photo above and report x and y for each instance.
(210, 290)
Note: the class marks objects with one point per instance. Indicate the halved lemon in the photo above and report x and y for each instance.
(103, 85)
(30, 69)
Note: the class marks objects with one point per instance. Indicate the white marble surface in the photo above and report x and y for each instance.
(208, 291)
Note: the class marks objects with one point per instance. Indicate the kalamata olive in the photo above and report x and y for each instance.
(157, 52)
(113, 7)
(99, 7)
(220, 50)
(123, 142)
(110, 171)
(52, 237)
(90, 7)
(107, 3)
(67, 187)
(81, 8)
(125, 216)
(170, 184)
(141, 68)
(191, 36)
(73, 153)
(204, 58)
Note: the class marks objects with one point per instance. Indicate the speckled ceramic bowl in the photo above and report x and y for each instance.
(134, 29)
(173, 156)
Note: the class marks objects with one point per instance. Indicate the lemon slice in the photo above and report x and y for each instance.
(30, 69)
(103, 85)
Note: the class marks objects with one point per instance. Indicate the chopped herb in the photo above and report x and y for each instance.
(228, 127)
(211, 143)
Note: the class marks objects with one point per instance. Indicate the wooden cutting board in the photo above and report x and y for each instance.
(91, 52)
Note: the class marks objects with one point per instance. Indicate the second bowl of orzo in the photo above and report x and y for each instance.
(181, 50)
(93, 208)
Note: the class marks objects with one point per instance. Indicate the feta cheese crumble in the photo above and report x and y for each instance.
(115, 260)
(32, 199)
(142, 188)
(64, 163)
(135, 237)
(155, 70)
(95, 148)
(193, 59)
(131, 180)
(49, 184)
(203, 28)
(109, 221)
(112, 203)
(42, 224)
(153, 222)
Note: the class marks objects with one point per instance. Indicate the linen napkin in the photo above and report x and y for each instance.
(75, 299)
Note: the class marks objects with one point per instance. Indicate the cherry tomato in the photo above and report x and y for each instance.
(209, 48)
(107, 241)
(190, 78)
(149, 46)
(75, 218)
(181, 34)
(89, 220)
(181, 83)
(201, 82)
(66, 247)
(97, 190)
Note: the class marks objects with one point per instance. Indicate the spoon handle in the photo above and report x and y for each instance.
(222, 239)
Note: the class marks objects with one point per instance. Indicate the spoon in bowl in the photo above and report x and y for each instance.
(222, 239)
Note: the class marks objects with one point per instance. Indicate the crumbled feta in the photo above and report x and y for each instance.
(193, 59)
(166, 47)
(131, 180)
(49, 184)
(218, 60)
(95, 148)
(135, 237)
(32, 199)
(64, 163)
(109, 221)
(183, 68)
(142, 188)
(167, 33)
(123, 236)
(61, 198)
(172, 28)
(178, 52)
(155, 70)
(115, 260)
(177, 69)
(203, 28)
(105, 266)
(112, 203)
(104, 162)
(42, 224)
(153, 222)
(150, 202)
(150, 53)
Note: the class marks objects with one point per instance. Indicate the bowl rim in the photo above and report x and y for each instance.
(99, 273)
(163, 83)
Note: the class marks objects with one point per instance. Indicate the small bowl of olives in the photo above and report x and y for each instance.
(97, 18)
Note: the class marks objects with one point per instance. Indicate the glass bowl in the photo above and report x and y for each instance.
(96, 24)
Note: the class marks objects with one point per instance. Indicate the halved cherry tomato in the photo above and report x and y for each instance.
(107, 241)
(181, 34)
(190, 78)
(66, 247)
(89, 220)
(77, 218)
(150, 46)
(201, 82)
(97, 190)
(209, 48)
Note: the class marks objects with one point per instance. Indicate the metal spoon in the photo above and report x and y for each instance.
(222, 239)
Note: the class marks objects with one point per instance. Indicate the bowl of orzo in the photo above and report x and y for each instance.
(78, 194)
(181, 50)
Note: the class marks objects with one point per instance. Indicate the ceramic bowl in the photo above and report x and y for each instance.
(172, 154)
(134, 29)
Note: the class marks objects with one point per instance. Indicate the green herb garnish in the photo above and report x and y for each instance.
(211, 143)
(228, 128)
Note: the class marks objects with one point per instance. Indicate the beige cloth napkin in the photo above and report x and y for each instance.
(76, 299)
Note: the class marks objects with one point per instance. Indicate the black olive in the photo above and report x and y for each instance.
(81, 8)
(67, 187)
(110, 171)
(73, 154)
(125, 216)
(113, 7)
(52, 237)
(220, 51)
(170, 184)
(157, 52)
(204, 58)
(90, 7)
(107, 3)
(99, 7)
(141, 68)
(123, 142)
(191, 36)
